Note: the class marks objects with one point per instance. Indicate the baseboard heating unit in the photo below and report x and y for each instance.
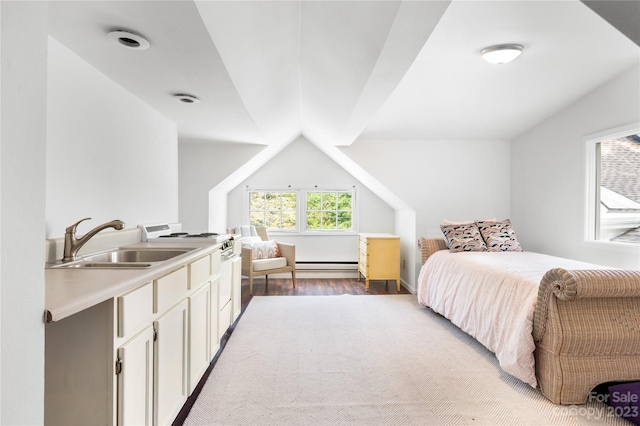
(326, 269)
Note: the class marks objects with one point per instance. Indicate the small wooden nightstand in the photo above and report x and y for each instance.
(379, 258)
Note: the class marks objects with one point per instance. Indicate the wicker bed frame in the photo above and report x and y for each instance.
(586, 329)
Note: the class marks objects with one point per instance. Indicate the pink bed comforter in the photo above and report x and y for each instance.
(492, 297)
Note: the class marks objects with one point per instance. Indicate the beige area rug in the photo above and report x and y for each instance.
(366, 360)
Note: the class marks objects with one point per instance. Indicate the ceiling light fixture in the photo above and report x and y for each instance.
(129, 40)
(502, 53)
(187, 99)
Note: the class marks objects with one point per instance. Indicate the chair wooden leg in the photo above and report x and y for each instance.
(266, 281)
(293, 278)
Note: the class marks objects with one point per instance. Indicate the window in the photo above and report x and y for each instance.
(302, 210)
(275, 210)
(329, 210)
(614, 188)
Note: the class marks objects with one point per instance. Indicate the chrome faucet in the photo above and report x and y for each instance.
(73, 244)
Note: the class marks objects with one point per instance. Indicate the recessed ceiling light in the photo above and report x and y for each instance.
(502, 53)
(187, 99)
(129, 40)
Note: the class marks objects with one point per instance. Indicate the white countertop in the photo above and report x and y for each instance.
(71, 290)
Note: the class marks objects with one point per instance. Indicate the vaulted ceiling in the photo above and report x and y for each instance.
(335, 71)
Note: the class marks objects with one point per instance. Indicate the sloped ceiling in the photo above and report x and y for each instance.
(267, 72)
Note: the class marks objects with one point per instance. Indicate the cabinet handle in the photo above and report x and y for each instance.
(118, 366)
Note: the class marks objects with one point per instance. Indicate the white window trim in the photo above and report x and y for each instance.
(590, 180)
(301, 193)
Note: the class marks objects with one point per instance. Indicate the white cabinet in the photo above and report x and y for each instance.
(224, 298)
(135, 380)
(236, 286)
(214, 341)
(199, 334)
(170, 362)
(135, 359)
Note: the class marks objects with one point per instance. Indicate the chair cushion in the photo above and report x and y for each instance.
(271, 263)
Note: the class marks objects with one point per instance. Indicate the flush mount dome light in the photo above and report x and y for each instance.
(502, 53)
(187, 99)
(129, 40)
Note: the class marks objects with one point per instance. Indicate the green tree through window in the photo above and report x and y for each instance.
(318, 210)
(328, 210)
(273, 209)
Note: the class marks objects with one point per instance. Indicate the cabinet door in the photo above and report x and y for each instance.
(224, 298)
(215, 312)
(199, 335)
(236, 286)
(225, 283)
(170, 356)
(135, 380)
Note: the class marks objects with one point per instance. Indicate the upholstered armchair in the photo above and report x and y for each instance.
(263, 256)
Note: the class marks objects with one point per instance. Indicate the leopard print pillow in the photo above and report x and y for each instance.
(463, 237)
(499, 236)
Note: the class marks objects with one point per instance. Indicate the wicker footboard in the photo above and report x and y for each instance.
(587, 331)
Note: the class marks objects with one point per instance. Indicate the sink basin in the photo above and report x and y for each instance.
(106, 265)
(134, 255)
(123, 258)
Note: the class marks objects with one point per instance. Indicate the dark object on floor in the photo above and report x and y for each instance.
(624, 399)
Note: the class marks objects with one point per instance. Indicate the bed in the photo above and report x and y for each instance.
(562, 325)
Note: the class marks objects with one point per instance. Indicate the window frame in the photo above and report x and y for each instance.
(301, 208)
(592, 188)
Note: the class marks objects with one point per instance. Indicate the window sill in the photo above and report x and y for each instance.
(314, 234)
(613, 246)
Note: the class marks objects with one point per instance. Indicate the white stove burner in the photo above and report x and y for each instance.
(165, 232)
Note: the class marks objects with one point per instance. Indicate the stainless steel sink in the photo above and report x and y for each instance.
(134, 255)
(122, 258)
(98, 265)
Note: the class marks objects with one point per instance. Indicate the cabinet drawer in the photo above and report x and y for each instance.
(134, 308)
(362, 256)
(363, 246)
(224, 289)
(169, 289)
(199, 272)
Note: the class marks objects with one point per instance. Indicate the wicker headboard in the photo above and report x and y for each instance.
(428, 246)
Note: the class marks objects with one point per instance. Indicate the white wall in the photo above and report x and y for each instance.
(405, 228)
(109, 155)
(456, 180)
(302, 164)
(548, 174)
(201, 166)
(23, 43)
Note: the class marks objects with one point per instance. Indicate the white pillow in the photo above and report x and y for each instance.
(263, 249)
(246, 231)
